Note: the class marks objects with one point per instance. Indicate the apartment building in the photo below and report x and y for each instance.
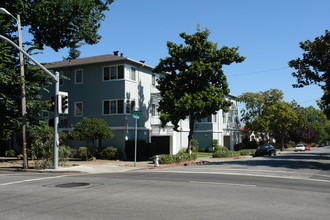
(111, 87)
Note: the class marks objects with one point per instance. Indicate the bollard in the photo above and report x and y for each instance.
(156, 161)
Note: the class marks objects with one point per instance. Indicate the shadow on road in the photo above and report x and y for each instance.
(297, 160)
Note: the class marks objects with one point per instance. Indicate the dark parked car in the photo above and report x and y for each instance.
(265, 150)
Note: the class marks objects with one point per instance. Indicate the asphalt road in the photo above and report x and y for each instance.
(288, 186)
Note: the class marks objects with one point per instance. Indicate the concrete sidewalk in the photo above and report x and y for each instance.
(107, 166)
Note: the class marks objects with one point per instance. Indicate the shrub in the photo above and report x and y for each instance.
(226, 153)
(219, 148)
(10, 153)
(247, 152)
(83, 153)
(194, 145)
(64, 153)
(177, 158)
(110, 153)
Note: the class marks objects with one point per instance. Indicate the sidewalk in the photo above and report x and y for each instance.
(104, 166)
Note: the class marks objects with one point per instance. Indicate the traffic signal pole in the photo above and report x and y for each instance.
(56, 120)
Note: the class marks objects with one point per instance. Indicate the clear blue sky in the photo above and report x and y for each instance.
(267, 32)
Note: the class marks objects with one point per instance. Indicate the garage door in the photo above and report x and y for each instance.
(161, 144)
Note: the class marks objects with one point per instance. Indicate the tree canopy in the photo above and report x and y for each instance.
(91, 129)
(57, 24)
(314, 67)
(60, 23)
(194, 85)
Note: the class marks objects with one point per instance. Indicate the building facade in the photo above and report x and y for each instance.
(111, 87)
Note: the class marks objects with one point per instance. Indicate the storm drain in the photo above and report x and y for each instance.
(71, 185)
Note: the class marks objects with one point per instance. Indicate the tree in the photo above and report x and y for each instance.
(195, 85)
(60, 23)
(57, 24)
(256, 106)
(314, 67)
(312, 125)
(91, 129)
(281, 118)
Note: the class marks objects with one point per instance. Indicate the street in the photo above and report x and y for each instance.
(289, 186)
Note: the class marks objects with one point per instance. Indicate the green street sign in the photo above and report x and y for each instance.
(136, 112)
(136, 116)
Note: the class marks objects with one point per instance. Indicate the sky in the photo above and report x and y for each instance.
(267, 34)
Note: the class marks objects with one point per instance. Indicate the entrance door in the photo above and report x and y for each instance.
(161, 144)
(226, 141)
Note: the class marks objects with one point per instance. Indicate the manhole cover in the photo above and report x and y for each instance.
(70, 185)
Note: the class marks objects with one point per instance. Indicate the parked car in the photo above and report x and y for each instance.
(299, 147)
(265, 150)
(307, 147)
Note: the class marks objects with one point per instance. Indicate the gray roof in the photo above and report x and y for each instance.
(90, 60)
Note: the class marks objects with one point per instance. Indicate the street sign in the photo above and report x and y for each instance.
(136, 116)
(137, 112)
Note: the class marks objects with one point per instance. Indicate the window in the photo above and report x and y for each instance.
(78, 108)
(106, 73)
(153, 79)
(106, 107)
(118, 106)
(154, 111)
(208, 119)
(132, 73)
(224, 117)
(113, 72)
(78, 78)
(130, 106)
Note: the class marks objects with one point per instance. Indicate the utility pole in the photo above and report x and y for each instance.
(23, 98)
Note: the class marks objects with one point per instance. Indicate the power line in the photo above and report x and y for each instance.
(262, 71)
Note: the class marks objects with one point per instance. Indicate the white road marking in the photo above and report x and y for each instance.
(219, 183)
(31, 180)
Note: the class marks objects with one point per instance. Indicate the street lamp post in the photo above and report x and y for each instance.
(23, 98)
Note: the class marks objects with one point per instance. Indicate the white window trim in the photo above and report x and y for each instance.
(75, 76)
(82, 109)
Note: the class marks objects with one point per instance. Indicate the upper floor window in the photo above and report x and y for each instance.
(78, 108)
(153, 79)
(113, 72)
(154, 110)
(78, 76)
(224, 117)
(208, 119)
(132, 73)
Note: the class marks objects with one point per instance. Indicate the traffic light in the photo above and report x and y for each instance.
(63, 103)
(52, 102)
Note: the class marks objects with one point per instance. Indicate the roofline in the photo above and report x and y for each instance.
(53, 66)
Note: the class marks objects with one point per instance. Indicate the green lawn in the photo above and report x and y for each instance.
(203, 154)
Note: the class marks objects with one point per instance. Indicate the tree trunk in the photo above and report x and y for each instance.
(191, 132)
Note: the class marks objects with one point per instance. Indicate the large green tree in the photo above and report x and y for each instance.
(54, 23)
(281, 118)
(256, 107)
(314, 67)
(194, 85)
